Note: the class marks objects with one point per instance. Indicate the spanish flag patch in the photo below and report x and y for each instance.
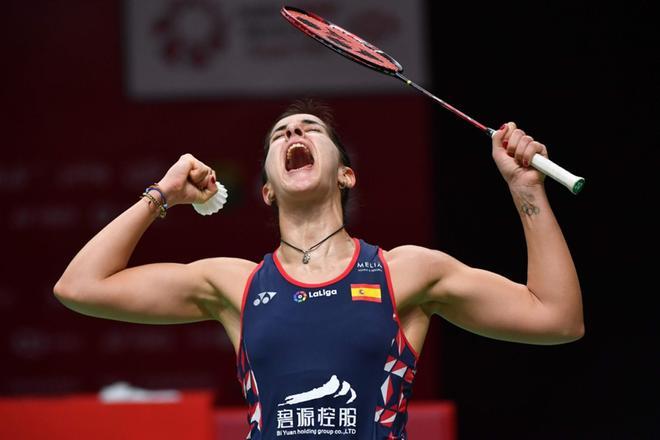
(365, 292)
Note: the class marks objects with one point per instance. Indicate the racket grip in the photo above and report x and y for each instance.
(549, 168)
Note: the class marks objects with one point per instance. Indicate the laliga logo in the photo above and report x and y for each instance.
(264, 297)
(302, 296)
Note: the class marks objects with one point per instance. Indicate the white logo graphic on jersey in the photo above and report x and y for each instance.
(334, 385)
(369, 266)
(264, 297)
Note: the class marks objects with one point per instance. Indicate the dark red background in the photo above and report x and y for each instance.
(76, 133)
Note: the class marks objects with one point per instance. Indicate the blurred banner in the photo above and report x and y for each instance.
(234, 47)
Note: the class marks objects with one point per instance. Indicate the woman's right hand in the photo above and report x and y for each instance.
(188, 181)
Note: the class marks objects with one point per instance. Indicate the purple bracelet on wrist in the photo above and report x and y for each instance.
(162, 196)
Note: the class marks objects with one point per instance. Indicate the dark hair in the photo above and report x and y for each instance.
(324, 113)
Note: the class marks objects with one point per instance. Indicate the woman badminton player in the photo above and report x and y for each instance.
(327, 328)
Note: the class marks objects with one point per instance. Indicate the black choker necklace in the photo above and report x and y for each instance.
(306, 256)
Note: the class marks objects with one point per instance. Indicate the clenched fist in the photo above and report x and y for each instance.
(513, 150)
(188, 181)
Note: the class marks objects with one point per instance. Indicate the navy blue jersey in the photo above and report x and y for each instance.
(325, 361)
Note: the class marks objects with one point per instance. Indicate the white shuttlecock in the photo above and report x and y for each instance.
(214, 204)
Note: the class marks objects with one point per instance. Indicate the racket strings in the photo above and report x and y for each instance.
(341, 40)
(308, 23)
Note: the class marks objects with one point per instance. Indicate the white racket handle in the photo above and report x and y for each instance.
(549, 168)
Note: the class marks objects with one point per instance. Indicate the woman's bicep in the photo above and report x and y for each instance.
(494, 306)
(162, 293)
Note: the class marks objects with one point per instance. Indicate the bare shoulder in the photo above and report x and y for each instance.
(417, 259)
(225, 265)
(415, 270)
(228, 276)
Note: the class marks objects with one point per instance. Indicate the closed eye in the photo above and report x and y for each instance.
(310, 125)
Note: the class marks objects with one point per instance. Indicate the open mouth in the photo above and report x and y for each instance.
(298, 156)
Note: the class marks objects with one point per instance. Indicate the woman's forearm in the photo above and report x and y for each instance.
(551, 274)
(108, 251)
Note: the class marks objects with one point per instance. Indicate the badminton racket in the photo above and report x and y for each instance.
(356, 49)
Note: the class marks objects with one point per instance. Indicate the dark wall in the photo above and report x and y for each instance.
(582, 78)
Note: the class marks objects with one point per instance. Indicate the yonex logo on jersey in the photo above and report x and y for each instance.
(263, 298)
(302, 296)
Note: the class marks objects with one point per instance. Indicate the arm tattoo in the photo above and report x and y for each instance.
(527, 206)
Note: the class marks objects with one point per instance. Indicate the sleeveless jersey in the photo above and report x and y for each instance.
(325, 361)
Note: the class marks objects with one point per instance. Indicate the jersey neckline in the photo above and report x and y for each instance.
(344, 274)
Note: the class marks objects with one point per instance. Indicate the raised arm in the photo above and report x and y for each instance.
(98, 283)
(545, 310)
